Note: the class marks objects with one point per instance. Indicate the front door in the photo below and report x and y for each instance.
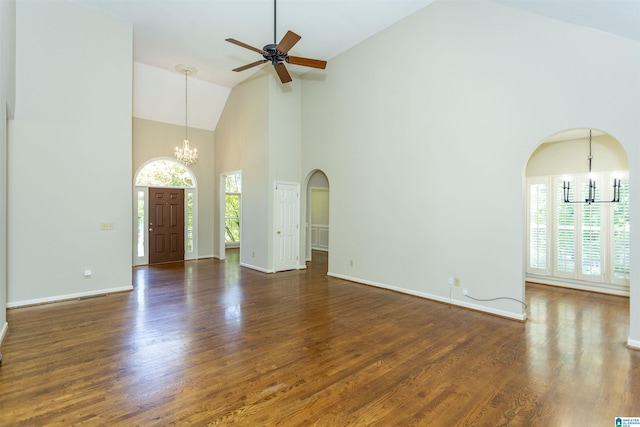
(287, 230)
(166, 225)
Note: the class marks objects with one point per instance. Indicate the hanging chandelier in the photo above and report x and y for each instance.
(566, 184)
(186, 154)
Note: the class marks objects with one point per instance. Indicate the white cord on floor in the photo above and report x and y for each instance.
(495, 299)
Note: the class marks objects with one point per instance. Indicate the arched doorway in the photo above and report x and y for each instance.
(317, 215)
(163, 173)
(577, 244)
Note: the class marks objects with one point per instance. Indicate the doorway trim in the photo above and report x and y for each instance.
(190, 193)
(282, 224)
(306, 205)
(222, 213)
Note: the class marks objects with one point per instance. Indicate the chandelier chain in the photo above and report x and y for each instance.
(186, 93)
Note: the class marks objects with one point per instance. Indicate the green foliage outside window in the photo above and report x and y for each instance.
(233, 188)
(232, 218)
(164, 173)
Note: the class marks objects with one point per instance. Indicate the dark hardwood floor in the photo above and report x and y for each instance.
(209, 343)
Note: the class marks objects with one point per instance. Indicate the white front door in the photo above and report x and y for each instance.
(286, 226)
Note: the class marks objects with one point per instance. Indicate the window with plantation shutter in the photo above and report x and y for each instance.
(578, 244)
(538, 239)
(620, 252)
(565, 241)
(590, 234)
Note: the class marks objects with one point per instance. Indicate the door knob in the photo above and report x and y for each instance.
(278, 232)
(150, 229)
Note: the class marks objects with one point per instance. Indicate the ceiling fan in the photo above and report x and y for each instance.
(277, 53)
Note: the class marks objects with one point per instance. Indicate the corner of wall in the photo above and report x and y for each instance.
(3, 332)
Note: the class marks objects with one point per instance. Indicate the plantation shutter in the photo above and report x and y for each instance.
(578, 242)
(566, 233)
(538, 236)
(590, 235)
(621, 258)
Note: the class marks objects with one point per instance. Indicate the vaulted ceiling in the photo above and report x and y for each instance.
(171, 32)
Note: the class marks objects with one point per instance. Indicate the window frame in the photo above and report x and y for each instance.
(189, 192)
(606, 281)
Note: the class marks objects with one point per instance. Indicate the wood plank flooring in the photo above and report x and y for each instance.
(209, 343)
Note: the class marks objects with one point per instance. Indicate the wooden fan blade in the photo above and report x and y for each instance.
(246, 46)
(288, 41)
(307, 62)
(253, 64)
(284, 75)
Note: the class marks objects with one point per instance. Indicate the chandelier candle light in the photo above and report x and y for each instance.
(186, 154)
(566, 185)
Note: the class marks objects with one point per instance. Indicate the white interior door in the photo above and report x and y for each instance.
(287, 226)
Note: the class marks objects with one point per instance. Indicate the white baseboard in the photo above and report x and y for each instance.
(3, 331)
(476, 307)
(254, 267)
(57, 298)
(611, 289)
(634, 344)
(264, 270)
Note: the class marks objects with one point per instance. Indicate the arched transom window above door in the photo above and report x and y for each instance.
(165, 173)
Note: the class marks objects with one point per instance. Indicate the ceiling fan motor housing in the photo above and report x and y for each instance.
(273, 55)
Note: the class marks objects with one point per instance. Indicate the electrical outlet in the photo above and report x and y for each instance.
(106, 226)
(454, 281)
(350, 263)
(465, 291)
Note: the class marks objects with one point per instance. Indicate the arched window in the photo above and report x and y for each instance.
(163, 173)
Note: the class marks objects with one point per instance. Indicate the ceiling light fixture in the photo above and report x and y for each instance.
(186, 154)
(566, 184)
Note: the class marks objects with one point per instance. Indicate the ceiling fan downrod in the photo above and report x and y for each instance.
(278, 53)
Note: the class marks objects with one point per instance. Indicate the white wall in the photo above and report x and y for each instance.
(7, 105)
(426, 154)
(285, 123)
(242, 138)
(259, 134)
(70, 154)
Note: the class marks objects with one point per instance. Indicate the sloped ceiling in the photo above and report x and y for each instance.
(193, 32)
(171, 32)
(619, 17)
